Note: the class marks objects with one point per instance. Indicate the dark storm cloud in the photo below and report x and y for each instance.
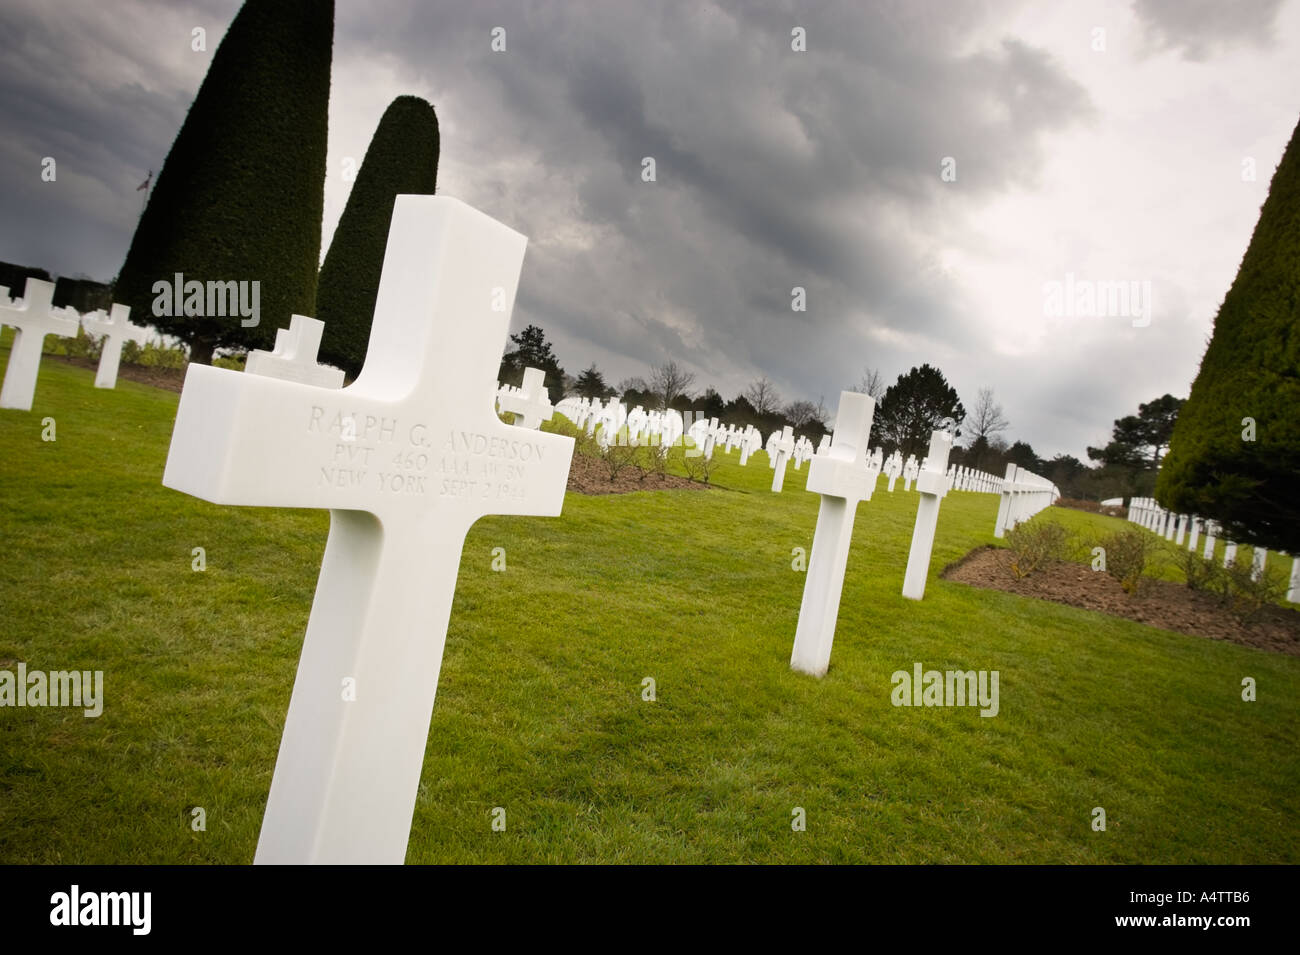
(1202, 28)
(77, 84)
(775, 168)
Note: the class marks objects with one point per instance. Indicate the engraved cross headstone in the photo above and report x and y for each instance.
(406, 459)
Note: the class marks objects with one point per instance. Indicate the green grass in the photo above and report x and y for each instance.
(539, 706)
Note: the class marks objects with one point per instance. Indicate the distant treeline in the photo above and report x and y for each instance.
(85, 295)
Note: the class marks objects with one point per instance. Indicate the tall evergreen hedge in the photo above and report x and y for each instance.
(242, 193)
(1251, 369)
(402, 159)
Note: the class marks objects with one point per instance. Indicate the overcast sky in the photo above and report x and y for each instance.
(821, 169)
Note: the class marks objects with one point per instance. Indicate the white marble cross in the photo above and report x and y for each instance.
(294, 357)
(910, 470)
(710, 438)
(780, 447)
(113, 329)
(531, 403)
(933, 484)
(894, 468)
(406, 459)
(32, 322)
(841, 477)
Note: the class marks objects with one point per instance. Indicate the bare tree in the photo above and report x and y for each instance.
(632, 384)
(802, 413)
(667, 381)
(871, 383)
(762, 394)
(986, 418)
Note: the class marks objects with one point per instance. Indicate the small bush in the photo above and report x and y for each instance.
(1127, 554)
(1077, 504)
(1242, 594)
(698, 466)
(155, 355)
(84, 345)
(653, 459)
(1037, 544)
(1200, 574)
(233, 362)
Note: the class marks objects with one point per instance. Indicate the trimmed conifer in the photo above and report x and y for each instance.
(402, 159)
(1235, 451)
(241, 195)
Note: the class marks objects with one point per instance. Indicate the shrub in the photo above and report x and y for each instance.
(1037, 544)
(84, 345)
(156, 355)
(618, 455)
(1243, 594)
(654, 459)
(1127, 554)
(1200, 574)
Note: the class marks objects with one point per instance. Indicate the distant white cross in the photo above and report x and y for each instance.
(933, 485)
(32, 322)
(780, 448)
(294, 358)
(531, 404)
(113, 329)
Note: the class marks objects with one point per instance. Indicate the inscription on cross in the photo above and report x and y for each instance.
(406, 458)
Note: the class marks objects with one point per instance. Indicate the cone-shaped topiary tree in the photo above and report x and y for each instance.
(402, 159)
(1235, 451)
(242, 193)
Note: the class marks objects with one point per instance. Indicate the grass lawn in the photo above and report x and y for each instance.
(540, 707)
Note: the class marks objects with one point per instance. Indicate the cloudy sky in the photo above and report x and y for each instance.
(1109, 141)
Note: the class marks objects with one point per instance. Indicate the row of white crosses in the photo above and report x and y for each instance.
(1146, 512)
(1024, 494)
(706, 434)
(968, 479)
(33, 317)
(803, 451)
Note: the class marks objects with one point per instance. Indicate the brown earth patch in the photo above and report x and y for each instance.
(169, 378)
(588, 475)
(1158, 603)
